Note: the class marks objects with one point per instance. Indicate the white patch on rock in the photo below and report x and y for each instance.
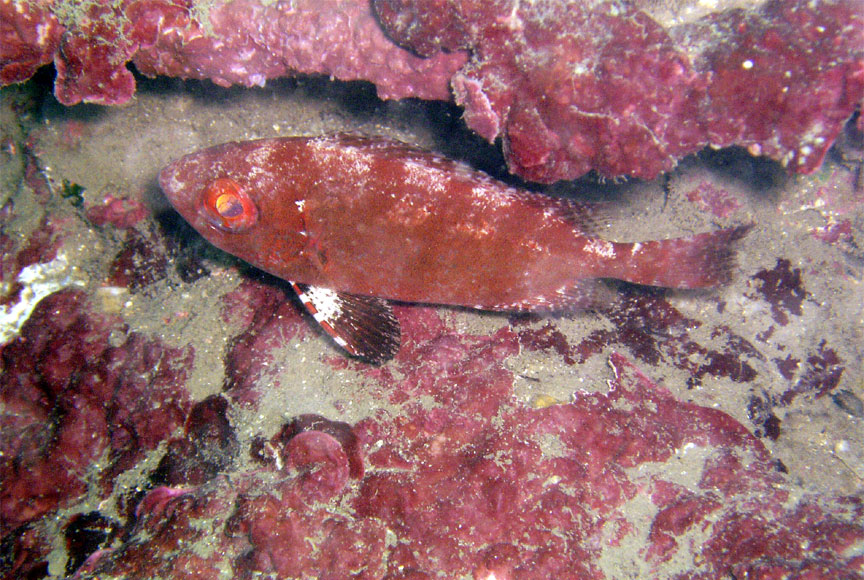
(37, 281)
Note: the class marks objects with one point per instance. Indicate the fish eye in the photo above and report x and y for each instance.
(227, 207)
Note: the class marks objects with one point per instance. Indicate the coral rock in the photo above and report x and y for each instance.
(239, 42)
(623, 89)
(574, 86)
(478, 484)
(107, 394)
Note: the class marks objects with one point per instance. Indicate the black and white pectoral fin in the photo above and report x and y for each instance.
(362, 325)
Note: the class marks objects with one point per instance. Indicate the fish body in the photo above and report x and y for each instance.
(346, 217)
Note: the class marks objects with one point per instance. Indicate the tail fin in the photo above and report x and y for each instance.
(698, 261)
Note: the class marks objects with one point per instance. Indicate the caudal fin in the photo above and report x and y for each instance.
(699, 261)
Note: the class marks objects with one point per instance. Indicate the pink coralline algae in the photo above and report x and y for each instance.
(470, 483)
(269, 319)
(623, 89)
(575, 86)
(654, 331)
(241, 42)
(82, 401)
(117, 211)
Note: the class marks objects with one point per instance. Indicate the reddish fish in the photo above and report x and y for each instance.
(352, 222)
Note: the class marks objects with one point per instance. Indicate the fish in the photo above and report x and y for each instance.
(354, 223)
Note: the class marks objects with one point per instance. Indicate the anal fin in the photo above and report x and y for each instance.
(586, 294)
(364, 326)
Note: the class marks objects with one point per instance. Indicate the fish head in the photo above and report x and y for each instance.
(241, 197)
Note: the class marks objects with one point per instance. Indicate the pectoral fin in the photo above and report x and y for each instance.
(364, 326)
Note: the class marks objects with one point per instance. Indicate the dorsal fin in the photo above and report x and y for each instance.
(588, 218)
(363, 325)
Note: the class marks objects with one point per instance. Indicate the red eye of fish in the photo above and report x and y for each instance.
(227, 206)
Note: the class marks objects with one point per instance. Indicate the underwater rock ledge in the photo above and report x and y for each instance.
(626, 89)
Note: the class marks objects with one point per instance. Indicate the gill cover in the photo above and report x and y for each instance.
(227, 206)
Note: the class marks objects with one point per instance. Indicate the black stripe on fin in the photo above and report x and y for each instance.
(362, 325)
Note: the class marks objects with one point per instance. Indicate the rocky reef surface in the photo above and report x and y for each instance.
(167, 410)
(622, 88)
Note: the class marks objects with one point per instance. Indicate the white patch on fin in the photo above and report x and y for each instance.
(362, 325)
